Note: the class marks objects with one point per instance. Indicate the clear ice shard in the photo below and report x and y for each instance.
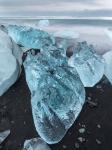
(35, 144)
(57, 93)
(108, 67)
(9, 65)
(89, 65)
(29, 37)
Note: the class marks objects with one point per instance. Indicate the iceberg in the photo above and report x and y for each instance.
(35, 144)
(68, 34)
(108, 67)
(29, 37)
(89, 65)
(57, 93)
(43, 23)
(9, 65)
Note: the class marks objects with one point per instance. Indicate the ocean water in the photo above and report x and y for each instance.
(89, 21)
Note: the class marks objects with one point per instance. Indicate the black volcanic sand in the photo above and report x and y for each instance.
(96, 118)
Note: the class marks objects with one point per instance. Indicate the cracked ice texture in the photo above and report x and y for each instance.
(29, 37)
(89, 65)
(108, 67)
(57, 93)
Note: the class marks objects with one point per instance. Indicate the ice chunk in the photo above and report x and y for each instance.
(9, 65)
(89, 65)
(69, 34)
(57, 93)
(29, 37)
(108, 68)
(35, 144)
(3, 135)
(43, 23)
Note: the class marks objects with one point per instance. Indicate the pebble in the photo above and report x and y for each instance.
(98, 126)
(64, 146)
(77, 145)
(98, 141)
(81, 130)
(81, 139)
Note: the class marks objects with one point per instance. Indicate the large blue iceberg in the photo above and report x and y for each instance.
(89, 65)
(57, 93)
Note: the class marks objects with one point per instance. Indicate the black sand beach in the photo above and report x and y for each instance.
(96, 118)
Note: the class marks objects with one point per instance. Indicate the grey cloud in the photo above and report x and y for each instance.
(41, 2)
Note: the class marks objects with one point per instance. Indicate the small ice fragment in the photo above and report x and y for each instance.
(69, 34)
(108, 67)
(35, 144)
(3, 135)
(43, 23)
(89, 65)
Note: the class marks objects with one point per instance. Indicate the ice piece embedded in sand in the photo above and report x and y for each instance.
(35, 144)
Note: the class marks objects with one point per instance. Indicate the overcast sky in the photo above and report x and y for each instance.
(69, 8)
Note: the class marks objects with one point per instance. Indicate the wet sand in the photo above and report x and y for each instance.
(96, 118)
